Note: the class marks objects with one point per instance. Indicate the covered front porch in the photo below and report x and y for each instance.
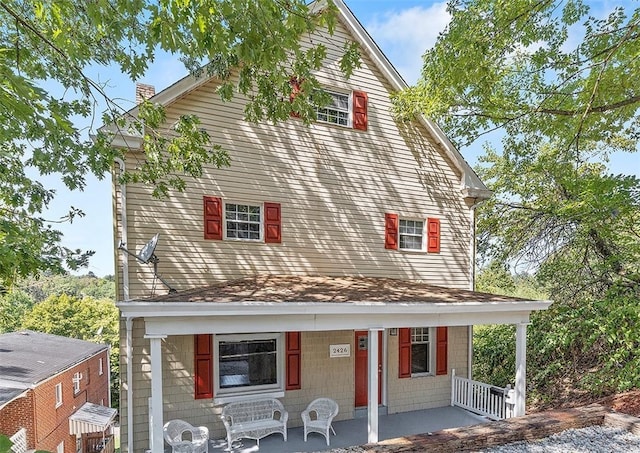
(353, 432)
(327, 311)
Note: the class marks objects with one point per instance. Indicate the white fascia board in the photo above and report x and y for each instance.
(329, 322)
(173, 309)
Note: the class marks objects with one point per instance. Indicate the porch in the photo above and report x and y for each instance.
(353, 432)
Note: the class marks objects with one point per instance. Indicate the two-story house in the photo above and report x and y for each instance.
(318, 247)
(54, 393)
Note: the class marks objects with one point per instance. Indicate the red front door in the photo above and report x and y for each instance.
(362, 380)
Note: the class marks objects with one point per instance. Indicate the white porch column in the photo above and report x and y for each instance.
(155, 419)
(373, 385)
(521, 369)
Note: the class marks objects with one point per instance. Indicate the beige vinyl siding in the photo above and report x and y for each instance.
(335, 184)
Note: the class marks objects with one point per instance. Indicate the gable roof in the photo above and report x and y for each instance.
(28, 357)
(471, 185)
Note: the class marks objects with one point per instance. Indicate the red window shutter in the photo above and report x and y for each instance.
(404, 340)
(391, 231)
(293, 359)
(295, 89)
(203, 366)
(360, 110)
(433, 235)
(212, 218)
(272, 223)
(441, 351)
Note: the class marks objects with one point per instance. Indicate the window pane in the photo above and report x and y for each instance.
(420, 358)
(247, 363)
(337, 112)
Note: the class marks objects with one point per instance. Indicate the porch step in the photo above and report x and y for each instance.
(361, 412)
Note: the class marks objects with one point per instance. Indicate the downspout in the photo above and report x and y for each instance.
(472, 281)
(129, 354)
(123, 217)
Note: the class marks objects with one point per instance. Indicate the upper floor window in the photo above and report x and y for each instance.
(411, 234)
(243, 221)
(337, 111)
(60, 447)
(101, 366)
(59, 394)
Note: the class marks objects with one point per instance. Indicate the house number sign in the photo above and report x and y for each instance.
(340, 350)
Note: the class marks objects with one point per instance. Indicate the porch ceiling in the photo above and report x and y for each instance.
(324, 303)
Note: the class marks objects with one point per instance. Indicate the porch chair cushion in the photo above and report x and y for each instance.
(317, 417)
(197, 441)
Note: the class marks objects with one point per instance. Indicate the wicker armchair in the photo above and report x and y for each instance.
(317, 417)
(197, 441)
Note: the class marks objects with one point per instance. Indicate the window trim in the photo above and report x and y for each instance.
(349, 110)
(58, 390)
(432, 352)
(224, 395)
(423, 246)
(242, 203)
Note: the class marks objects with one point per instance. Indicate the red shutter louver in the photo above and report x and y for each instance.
(404, 353)
(391, 231)
(212, 218)
(293, 361)
(433, 235)
(203, 366)
(441, 351)
(360, 110)
(272, 223)
(295, 89)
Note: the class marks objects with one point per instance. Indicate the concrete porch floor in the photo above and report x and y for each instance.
(354, 432)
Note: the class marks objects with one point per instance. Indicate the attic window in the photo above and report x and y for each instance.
(337, 111)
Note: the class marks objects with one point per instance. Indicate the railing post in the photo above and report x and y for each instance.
(453, 386)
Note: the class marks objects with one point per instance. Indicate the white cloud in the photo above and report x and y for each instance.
(404, 35)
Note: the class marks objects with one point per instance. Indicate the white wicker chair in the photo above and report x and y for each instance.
(197, 441)
(317, 417)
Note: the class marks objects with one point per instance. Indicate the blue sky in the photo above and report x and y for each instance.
(403, 29)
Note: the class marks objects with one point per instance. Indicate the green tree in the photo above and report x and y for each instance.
(83, 318)
(252, 47)
(14, 305)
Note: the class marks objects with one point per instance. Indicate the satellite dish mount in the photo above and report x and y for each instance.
(147, 255)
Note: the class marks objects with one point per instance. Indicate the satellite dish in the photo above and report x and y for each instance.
(147, 251)
(147, 255)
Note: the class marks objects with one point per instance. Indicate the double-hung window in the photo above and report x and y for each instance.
(337, 111)
(411, 234)
(422, 350)
(58, 394)
(77, 377)
(248, 363)
(243, 221)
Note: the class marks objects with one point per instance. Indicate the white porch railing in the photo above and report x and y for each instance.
(496, 403)
(19, 441)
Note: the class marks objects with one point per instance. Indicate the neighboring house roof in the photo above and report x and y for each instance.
(29, 357)
(471, 185)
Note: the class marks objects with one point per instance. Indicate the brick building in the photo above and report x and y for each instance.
(54, 392)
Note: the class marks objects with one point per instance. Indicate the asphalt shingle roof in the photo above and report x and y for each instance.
(282, 289)
(28, 357)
